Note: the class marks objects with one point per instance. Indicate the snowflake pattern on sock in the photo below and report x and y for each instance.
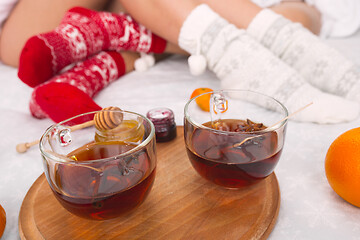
(240, 62)
(76, 87)
(85, 36)
(319, 64)
(91, 76)
(81, 34)
(220, 36)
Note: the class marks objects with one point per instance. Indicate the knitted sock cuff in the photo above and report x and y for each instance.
(261, 23)
(158, 44)
(194, 26)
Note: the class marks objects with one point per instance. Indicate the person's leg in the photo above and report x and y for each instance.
(242, 12)
(238, 60)
(320, 64)
(82, 33)
(30, 17)
(238, 12)
(70, 93)
(163, 17)
(300, 12)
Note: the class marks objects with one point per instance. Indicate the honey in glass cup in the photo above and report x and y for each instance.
(239, 142)
(100, 174)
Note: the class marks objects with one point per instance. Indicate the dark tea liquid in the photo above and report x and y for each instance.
(107, 189)
(214, 157)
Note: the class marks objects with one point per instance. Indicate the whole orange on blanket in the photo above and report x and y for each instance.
(342, 166)
(2, 220)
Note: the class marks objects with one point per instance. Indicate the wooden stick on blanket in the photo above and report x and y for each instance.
(23, 147)
(103, 120)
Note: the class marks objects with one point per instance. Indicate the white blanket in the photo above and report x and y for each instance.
(310, 209)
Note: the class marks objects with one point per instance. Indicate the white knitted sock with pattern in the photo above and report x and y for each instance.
(319, 64)
(242, 63)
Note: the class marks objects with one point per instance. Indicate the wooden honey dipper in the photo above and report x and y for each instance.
(108, 118)
(105, 119)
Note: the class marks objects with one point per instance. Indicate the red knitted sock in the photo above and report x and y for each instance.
(82, 32)
(70, 93)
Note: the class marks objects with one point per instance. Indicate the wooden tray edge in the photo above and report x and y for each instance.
(30, 227)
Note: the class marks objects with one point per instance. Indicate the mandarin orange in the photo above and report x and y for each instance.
(203, 101)
(342, 166)
(2, 220)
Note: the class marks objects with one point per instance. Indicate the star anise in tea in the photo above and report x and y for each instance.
(249, 126)
(238, 125)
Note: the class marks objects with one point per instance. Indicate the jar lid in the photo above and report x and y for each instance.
(161, 116)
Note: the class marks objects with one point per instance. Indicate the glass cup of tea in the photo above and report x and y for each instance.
(102, 164)
(239, 142)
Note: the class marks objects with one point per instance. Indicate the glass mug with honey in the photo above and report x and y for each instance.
(240, 141)
(102, 164)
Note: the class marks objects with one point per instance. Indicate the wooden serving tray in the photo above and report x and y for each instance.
(181, 205)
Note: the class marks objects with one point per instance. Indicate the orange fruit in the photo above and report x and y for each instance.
(342, 166)
(2, 220)
(203, 101)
